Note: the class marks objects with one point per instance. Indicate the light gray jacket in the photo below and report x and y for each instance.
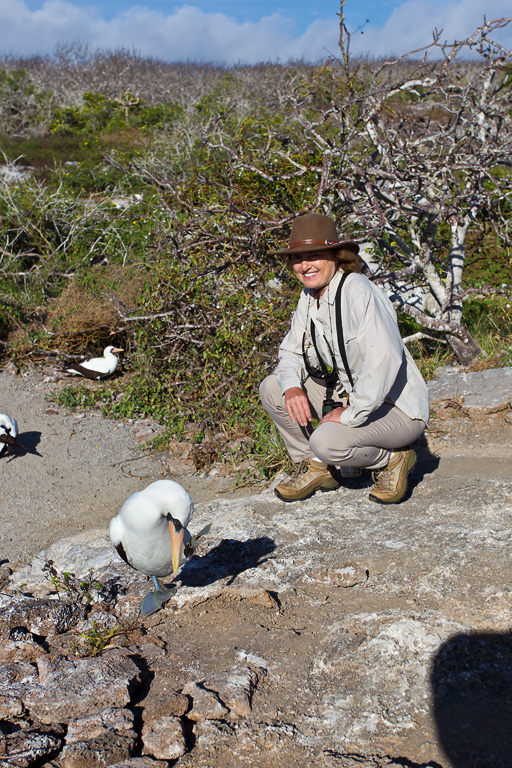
(381, 367)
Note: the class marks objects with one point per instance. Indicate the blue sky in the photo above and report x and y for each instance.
(237, 31)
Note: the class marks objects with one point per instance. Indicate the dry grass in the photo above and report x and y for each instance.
(484, 363)
(83, 316)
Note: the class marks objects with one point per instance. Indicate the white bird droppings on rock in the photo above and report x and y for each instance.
(343, 576)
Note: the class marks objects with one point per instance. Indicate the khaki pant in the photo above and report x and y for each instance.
(369, 445)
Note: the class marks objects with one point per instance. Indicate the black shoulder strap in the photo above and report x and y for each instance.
(339, 329)
(321, 362)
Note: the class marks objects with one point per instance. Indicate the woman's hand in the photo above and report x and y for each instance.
(297, 406)
(334, 415)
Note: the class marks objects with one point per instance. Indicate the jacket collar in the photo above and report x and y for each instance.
(329, 295)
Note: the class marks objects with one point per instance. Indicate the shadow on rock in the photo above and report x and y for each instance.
(427, 463)
(229, 558)
(472, 697)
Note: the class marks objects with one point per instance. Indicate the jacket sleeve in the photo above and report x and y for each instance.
(290, 370)
(374, 344)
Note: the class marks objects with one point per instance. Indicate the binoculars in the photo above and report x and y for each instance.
(329, 405)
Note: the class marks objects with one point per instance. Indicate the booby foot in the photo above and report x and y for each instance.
(154, 600)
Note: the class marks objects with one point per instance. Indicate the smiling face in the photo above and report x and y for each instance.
(315, 270)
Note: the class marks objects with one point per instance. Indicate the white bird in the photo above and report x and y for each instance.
(8, 433)
(98, 367)
(150, 534)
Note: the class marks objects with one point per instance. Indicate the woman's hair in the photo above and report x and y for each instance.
(349, 261)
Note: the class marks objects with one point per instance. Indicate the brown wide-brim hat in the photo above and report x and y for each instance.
(314, 232)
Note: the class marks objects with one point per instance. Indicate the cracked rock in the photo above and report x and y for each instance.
(28, 746)
(87, 728)
(41, 617)
(164, 738)
(235, 689)
(222, 694)
(105, 749)
(345, 576)
(161, 703)
(80, 687)
(15, 679)
(206, 705)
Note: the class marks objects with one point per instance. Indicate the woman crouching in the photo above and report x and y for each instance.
(343, 362)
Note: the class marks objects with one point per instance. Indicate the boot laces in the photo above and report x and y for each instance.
(300, 469)
(382, 479)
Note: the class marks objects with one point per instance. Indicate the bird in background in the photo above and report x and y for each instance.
(98, 367)
(8, 434)
(151, 535)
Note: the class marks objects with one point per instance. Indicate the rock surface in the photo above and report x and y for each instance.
(332, 632)
(481, 390)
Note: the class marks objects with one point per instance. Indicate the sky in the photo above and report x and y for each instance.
(238, 31)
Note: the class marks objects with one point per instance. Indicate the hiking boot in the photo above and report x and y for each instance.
(310, 477)
(390, 483)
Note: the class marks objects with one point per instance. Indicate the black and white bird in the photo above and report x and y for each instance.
(98, 367)
(151, 534)
(8, 434)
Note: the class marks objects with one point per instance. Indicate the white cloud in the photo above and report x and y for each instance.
(410, 26)
(188, 34)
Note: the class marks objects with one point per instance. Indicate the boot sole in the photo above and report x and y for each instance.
(397, 499)
(307, 495)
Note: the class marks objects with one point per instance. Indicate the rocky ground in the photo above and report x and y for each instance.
(332, 632)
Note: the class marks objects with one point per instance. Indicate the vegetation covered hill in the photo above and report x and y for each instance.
(139, 201)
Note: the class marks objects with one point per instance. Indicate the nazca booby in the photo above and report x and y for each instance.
(150, 534)
(8, 433)
(98, 367)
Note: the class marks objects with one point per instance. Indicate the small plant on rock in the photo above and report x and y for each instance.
(97, 639)
(84, 590)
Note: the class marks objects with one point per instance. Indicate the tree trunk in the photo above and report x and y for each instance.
(459, 339)
(466, 348)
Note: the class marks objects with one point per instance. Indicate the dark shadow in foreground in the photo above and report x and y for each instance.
(229, 558)
(472, 699)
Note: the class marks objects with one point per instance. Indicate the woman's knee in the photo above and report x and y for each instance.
(328, 444)
(270, 392)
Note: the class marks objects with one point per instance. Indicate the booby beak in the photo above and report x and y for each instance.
(177, 536)
(117, 349)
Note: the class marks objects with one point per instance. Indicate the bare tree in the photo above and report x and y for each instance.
(403, 153)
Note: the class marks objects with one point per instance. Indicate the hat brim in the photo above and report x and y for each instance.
(348, 244)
